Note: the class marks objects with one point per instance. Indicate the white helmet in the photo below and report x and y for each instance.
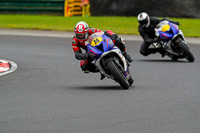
(143, 19)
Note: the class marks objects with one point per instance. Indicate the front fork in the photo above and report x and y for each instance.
(177, 40)
(126, 73)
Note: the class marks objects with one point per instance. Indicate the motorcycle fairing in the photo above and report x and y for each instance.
(174, 28)
(107, 44)
(165, 35)
(169, 34)
(94, 52)
(102, 47)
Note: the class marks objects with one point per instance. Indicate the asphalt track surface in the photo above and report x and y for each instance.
(48, 93)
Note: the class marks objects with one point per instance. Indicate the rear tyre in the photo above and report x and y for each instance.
(186, 52)
(117, 74)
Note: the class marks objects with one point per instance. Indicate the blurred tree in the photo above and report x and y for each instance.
(162, 8)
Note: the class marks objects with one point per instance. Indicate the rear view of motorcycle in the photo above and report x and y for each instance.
(172, 41)
(109, 59)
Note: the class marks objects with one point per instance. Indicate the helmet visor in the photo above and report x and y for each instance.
(144, 22)
(81, 36)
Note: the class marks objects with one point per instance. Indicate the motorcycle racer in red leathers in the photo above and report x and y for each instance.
(82, 32)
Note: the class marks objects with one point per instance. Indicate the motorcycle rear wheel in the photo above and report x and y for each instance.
(118, 76)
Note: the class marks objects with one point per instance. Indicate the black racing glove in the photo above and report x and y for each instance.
(80, 56)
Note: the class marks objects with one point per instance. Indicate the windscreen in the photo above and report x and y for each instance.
(93, 36)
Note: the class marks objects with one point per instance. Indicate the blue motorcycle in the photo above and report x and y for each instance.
(172, 41)
(109, 59)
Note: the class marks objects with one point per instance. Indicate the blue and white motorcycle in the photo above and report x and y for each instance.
(172, 41)
(109, 59)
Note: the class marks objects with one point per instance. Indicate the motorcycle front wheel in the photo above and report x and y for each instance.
(117, 74)
(186, 52)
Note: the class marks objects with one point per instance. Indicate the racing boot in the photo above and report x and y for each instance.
(102, 76)
(127, 56)
(161, 51)
(89, 68)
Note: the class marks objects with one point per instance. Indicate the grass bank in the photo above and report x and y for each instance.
(120, 25)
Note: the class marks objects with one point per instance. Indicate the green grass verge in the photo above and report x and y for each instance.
(120, 25)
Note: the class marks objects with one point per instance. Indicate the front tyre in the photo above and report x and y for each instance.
(117, 74)
(186, 52)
